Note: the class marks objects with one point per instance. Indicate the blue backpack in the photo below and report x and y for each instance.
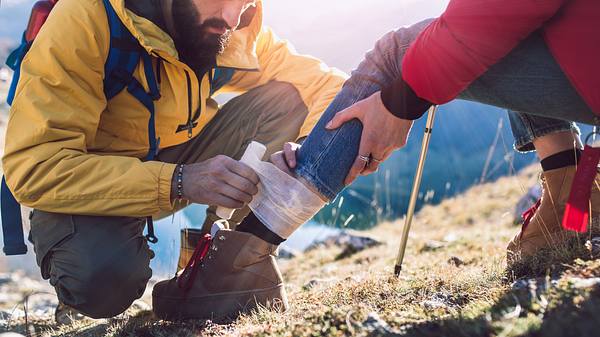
(124, 55)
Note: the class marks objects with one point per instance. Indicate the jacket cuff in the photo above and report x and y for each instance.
(403, 102)
(165, 178)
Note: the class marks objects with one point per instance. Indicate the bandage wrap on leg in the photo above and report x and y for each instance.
(282, 203)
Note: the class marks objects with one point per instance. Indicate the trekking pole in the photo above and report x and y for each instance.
(415, 190)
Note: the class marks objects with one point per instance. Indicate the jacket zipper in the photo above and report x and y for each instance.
(189, 122)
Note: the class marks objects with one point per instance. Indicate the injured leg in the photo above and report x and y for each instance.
(286, 202)
(282, 204)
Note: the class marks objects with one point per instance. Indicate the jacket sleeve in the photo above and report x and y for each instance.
(468, 38)
(55, 116)
(316, 82)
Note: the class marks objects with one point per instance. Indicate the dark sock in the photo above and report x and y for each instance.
(561, 159)
(252, 225)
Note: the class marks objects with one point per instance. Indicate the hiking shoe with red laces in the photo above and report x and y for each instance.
(232, 273)
(542, 224)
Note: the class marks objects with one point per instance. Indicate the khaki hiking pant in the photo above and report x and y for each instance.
(100, 264)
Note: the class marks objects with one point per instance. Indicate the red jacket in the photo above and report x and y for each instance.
(472, 35)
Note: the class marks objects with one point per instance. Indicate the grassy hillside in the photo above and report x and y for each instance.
(454, 284)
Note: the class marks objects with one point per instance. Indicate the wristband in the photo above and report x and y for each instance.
(179, 179)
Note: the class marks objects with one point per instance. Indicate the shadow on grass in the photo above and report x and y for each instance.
(546, 306)
(143, 324)
(569, 314)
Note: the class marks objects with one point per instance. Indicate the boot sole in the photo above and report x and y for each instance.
(219, 306)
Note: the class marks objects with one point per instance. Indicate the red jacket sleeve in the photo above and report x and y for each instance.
(469, 37)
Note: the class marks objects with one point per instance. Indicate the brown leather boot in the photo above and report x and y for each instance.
(542, 225)
(233, 272)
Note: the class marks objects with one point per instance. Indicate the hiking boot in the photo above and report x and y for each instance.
(542, 223)
(65, 315)
(232, 273)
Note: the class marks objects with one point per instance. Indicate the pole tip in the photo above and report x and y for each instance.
(397, 270)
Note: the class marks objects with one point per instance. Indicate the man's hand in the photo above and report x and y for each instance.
(219, 181)
(382, 134)
(286, 160)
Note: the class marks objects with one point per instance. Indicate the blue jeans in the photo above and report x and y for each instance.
(528, 82)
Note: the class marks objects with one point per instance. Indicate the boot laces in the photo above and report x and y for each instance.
(187, 277)
(528, 215)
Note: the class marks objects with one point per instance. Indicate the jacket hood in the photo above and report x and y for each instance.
(239, 54)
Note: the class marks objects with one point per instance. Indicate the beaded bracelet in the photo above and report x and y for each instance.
(180, 182)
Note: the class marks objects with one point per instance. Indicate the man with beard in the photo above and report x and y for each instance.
(80, 160)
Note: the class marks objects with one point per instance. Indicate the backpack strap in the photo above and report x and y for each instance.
(12, 222)
(14, 62)
(125, 53)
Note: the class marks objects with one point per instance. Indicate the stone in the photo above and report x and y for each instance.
(456, 261)
(286, 253)
(584, 283)
(375, 326)
(318, 282)
(526, 201)
(432, 245)
(351, 243)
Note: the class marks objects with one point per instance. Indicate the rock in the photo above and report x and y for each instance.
(528, 290)
(350, 241)
(456, 261)
(432, 245)
(583, 283)
(593, 246)
(539, 284)
(286, 253)
(433, 304)
(526, 201)
(6, 278)
(317, 282)
(10, 334)
(375, 326)
(442, 300)
(139, 305)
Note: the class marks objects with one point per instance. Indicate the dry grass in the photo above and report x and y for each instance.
(458, 289)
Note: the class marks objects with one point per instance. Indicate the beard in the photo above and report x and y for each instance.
(195, 43)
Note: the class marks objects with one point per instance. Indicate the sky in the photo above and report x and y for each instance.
(340, 31)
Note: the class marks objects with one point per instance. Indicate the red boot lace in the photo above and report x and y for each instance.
(528, 215)
(187, 277)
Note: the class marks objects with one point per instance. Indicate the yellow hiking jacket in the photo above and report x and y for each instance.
(68, 150)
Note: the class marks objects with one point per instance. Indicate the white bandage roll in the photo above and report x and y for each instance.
(282, 203)
(254, 153)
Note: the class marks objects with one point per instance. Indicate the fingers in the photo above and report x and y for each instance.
(343, 116)
(278, 160)
(234, 194)
(375, 163)
(371, 168)
(243, 171)
(242, 184)
(359, 163)
(289, 151)
(221, 200)
(355, 170)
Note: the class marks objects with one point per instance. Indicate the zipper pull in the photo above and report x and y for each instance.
(190, 126)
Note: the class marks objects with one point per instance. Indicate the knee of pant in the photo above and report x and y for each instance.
(282, 98)
(103, 290)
